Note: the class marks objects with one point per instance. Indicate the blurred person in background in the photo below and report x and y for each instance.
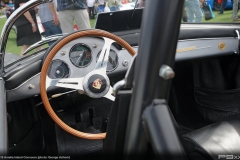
(91, 8)
(100, 6)
(8, 10)
(141, 4)
(49, 18)
(223, 5)
(71, 11)
(235, 10)
(193, 10)
(113, 5)
(27, 30)
(184, 15)
(2, 4)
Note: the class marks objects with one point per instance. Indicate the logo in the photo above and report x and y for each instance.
(192, 48)
(186, 49)
(221, 46)
(97, 84)
(228, 157)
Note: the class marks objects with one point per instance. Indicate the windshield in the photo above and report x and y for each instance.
(31, 31)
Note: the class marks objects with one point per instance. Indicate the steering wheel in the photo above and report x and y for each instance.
(95, 84)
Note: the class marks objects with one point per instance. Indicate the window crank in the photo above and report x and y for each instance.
(238, 36)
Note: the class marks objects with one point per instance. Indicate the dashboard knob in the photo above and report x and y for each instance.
(31, 86)
(63, 53)
(166, 72)
(125, 63)
(95, 46)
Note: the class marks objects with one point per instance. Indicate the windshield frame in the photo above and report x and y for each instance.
(8, 25)
(155, 50)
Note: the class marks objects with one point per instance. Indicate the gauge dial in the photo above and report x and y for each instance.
(80, 55)
(112, 60)
(58, 69)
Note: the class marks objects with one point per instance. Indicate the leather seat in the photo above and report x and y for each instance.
(220, 140)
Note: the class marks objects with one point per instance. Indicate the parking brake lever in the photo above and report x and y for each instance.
(238, 35)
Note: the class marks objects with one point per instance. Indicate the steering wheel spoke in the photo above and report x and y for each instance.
(103, 57)
(109, 94)
(71, 83)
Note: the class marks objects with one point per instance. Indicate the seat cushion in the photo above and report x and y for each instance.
(214, 141)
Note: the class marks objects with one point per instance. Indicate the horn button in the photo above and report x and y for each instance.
(96, 85)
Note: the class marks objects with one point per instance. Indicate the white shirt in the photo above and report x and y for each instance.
(90, 3)
(101, 2)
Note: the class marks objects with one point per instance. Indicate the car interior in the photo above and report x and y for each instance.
(136, 88)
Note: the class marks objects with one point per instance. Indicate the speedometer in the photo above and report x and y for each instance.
(58, 69)
(112, 60)
(80, 55)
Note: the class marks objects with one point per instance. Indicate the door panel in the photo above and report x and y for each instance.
(3, 120)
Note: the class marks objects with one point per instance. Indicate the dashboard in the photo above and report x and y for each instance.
(79, 57)
(75, 59)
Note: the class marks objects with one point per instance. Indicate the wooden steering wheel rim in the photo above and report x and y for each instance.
(43, 74)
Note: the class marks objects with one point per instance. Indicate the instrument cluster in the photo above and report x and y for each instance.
(81, 56)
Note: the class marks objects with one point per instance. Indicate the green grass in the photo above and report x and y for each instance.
(11, 43)
(12, 47)
(92, 22)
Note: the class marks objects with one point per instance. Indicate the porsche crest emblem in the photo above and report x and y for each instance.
(221, 46)
(97, 84)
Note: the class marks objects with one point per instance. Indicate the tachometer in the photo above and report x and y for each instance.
(112, 60)
(58, 69)
(80, 55)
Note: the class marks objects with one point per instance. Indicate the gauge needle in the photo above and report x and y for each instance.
(110, 59)
(80, 56)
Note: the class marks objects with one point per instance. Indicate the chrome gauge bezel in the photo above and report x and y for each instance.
(62, 62)
(89, 50)
(108, 61)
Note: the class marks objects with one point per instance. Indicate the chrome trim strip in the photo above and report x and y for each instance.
(42, 42)
(23, 83)
(238, 36)
(28, 59)
(206, 39)
(203, 47)
(183, 40)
